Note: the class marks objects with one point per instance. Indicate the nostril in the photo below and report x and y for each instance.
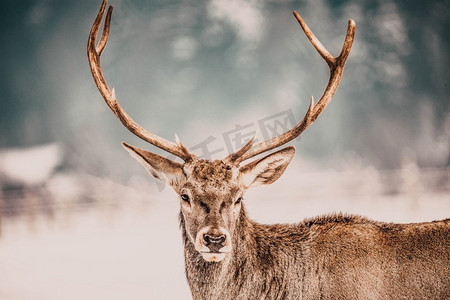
(221, 239)
(209, 239)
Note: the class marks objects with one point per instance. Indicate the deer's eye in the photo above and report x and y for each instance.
(239, 200)
(185, 197)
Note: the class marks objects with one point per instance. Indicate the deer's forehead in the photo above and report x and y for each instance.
(213, 178)
(212, 172)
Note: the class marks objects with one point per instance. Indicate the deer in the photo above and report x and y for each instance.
(229, 256)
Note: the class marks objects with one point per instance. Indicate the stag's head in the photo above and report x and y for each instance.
(211, 192)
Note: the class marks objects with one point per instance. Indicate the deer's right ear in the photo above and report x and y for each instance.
(161, 168)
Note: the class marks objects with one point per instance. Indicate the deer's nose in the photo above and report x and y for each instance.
(214, 242)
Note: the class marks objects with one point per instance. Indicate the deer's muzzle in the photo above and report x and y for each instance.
(213, 243)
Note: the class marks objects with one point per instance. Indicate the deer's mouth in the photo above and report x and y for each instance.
(213, 256)
(215, 252)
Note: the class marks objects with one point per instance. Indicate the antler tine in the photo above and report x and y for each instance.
(94, 53)
(336, 65)
(236, 155)
(105, 34)
(314, 41)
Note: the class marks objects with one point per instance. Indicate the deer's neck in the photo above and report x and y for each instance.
(254, 256)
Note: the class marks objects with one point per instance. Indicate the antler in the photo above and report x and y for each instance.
(94, 53)
(336, 65)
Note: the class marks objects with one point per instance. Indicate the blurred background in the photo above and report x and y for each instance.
(79, 218)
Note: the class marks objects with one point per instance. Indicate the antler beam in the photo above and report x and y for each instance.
(336, 65)
(94, 52)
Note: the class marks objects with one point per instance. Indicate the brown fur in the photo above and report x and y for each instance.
(328, 257)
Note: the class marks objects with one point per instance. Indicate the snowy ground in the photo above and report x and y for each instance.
(131, 248)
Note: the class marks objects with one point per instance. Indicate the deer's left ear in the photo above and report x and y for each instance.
(161, 168)
(268, 169)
